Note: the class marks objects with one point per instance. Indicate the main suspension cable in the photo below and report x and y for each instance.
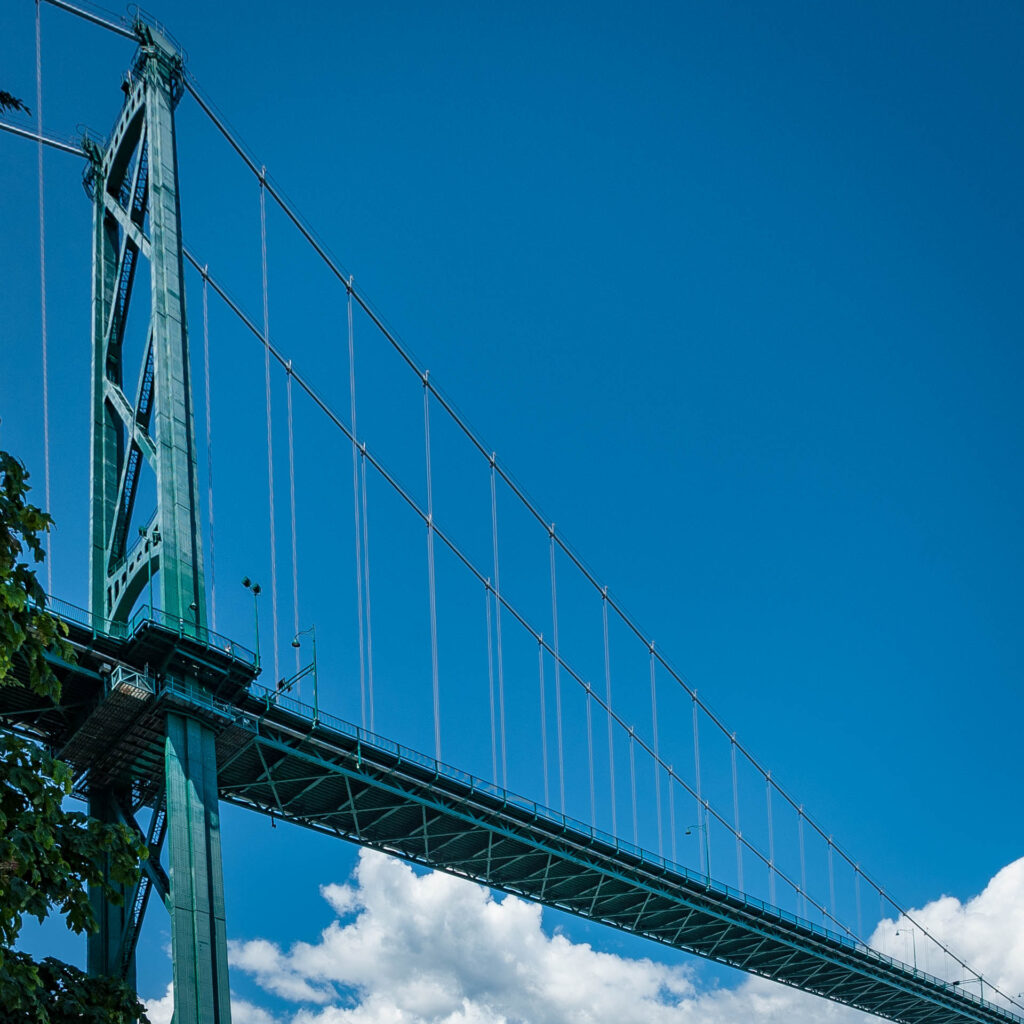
(321, 251)
(320, 248)
(559, 662)
(324, 254)
(475, 571)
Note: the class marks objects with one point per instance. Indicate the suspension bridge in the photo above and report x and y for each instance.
(519, 769)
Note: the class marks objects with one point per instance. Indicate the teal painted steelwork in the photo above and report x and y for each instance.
(198, 935)
(133, 181)
(282, 758)
(105, 951)
(134, 184)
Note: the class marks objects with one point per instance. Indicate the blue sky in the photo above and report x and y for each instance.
(731, 290)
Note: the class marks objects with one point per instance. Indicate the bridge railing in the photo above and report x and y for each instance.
(566, 822)
(146, 615)
(82, 617)
(555, 818)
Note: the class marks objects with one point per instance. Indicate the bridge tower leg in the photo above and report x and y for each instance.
(137, 216)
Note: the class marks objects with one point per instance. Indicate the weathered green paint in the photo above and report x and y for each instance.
(137, 216)
(104, 949)
(281, 758)
(198, 937)
(134, 178)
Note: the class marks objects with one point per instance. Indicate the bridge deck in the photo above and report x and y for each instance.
(323, 773)
(334, 777)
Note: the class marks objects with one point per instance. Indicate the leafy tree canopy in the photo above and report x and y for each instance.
(8, 101)
(48, 855)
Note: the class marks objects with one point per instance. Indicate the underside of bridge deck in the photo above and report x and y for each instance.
(279, 757)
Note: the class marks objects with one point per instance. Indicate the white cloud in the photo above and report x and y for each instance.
(987, 931)
(435, 948)
(410, 948)
(161, 1011)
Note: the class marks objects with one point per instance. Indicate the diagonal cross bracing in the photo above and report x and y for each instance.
(398, 803)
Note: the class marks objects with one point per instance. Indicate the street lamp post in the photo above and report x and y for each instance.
(979, 980)
(913, 937)
(256, 591)
(316, 681)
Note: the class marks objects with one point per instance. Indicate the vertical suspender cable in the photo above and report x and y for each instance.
(736, 814)
(366, 589)
(357, 513)
(657, 756)
(608, 701)
(270, 430)
(590, 756)
(543, 718)
(702, 821)
(42, 296)
(497, 628)
(856, 891)
(831, 883)
(291, 500)
(430, 570)
(632, 787)
(771, 839)
(209, 448)
(490, 687)
(803, 860)
(558, 674)
(672, 813)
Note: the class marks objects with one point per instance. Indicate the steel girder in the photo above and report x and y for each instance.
(134, 185)
(137, 214)
(329, 776)
(343, 783)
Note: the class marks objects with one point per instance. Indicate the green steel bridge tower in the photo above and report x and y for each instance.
(137, 217)
(159, 712)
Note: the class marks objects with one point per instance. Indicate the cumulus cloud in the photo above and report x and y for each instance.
(161, 1011)
(410, 948)
(986, 931)
(434, 948)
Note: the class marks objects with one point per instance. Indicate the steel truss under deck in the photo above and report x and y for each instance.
(281, 758)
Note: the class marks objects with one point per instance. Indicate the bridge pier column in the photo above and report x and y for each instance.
(105, 947)
(196, 902)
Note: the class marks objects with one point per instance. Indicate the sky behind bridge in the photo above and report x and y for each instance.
(732, 290)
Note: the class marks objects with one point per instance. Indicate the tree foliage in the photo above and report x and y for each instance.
(8, 101)
(48, 854)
